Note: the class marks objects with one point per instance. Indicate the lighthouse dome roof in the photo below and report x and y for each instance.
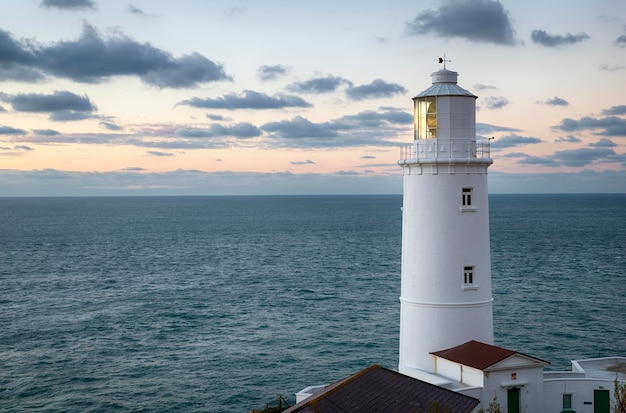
(444, 84)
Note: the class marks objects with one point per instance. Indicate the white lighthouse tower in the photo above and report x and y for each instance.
(446, 266)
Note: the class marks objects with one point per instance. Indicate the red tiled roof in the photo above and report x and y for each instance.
(377, 389)
(478, 355)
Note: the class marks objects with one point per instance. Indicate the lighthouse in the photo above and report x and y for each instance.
(446, 297)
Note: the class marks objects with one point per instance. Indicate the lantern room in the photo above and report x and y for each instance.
(444, 110)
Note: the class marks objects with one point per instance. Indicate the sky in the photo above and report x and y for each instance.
(192, 97)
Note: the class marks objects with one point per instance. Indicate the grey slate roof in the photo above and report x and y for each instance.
(377, 389)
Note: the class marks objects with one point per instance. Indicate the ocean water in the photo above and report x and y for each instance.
(220, 304)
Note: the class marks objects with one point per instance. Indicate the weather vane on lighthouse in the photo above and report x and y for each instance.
(443, 60)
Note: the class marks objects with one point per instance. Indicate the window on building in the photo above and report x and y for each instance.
(567, 402)
(468, 275)
(466, 196)
(425, 116)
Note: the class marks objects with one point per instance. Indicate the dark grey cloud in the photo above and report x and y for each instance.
(138, 12)
(621, 41)
(24, 148)
(576, 158)
(325, 84)
(8, 130)
(539, 160)
(513, 140)
(240, 130)
(60, 105)
(568, 139)
(583, 156)
(480, 21)
(69, 4)
(608, 126)
(367, 128)
(11, 71)
(248, 100)
(159, 153)
(545, 39)
(55, 102)
(615, 110)
(93, 58)
(46, 132)
(110, 126)
(557, 101)
(603, 143)
(133, 169)
(307, 162)
(368, 157)
(271, 72)
(213, 116)
(300, 127)
(495, 102)
(378, 88)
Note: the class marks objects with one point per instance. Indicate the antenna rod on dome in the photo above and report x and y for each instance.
(443, 60)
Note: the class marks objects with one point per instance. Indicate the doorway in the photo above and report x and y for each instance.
(512, 401)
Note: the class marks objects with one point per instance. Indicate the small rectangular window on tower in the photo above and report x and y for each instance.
(468, 275)
(466, 197)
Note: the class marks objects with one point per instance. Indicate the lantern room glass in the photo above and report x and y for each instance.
(425, 117)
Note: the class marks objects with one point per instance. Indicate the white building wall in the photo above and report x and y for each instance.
(528, 380)
(581, 390)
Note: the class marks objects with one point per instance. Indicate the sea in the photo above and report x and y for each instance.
(222, 304)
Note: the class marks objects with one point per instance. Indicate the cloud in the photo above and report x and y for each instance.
(557, 101)
(606, 68)
(367, 128)
(248, 100)
(7, 130)
(110, 126)
(271, 72)
(138, 12)
(300, 127)
(55, 102)
(621, 41)
(608, 126)
(368, 157)
(213, 116)
(513, 140)
(24, 148)
(496, 102)
(159, 153)
(307, 162)
(61, 105)
(615, 110)
(543, 38)
(480, 21)
(240, 130)
(378, 88)
(603, 143)
(319, 85)
(480, 86)
(582, 156)
(568, 139)
(69, 4)
(93, 58)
